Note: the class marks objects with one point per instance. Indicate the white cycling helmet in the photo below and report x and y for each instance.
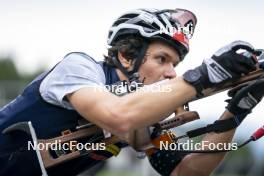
(174, 27)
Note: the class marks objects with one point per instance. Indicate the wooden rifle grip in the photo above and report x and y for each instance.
(180, 119)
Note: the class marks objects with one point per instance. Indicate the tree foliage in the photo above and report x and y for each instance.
(8, 70)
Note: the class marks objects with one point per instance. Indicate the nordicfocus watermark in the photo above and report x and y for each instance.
(124, 87)
(57, 145)
(187, 30)
(203, 145)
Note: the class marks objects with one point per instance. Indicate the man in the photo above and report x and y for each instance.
(143, 49)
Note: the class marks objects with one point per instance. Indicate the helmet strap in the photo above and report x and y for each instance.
(133, 74)
(140, 57)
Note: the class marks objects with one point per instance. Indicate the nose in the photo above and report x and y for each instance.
(169, 72)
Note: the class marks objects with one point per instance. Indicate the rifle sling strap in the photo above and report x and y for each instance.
(218, 126)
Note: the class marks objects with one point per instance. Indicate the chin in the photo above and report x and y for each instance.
(148, 81)
(151, 82)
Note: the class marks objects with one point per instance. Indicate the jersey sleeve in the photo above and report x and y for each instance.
(74, 72)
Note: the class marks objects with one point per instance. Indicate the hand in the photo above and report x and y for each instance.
(225, 64)
(246, 97)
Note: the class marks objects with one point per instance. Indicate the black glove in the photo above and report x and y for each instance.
(246, 97)
(224, 65)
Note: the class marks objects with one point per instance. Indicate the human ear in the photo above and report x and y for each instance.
(127, 63)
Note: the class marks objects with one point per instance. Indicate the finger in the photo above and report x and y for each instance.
(243, 64)
(251, 56)
(249, 63)
(257, 89)
(233, 91)
(259, 52)
(254, 90)
(239, 44)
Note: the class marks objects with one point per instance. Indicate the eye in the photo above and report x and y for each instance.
(161, 59)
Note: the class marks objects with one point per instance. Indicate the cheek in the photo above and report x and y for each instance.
(151, 71)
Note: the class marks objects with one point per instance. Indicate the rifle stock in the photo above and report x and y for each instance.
(142, 138)
(232, 84)
(181, 117)
(178, 120)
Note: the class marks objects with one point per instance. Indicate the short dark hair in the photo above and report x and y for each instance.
(129, 47)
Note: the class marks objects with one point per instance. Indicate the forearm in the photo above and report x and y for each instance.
(145, 108)
(120, 115)
(204, 164)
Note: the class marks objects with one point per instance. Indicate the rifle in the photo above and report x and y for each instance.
(182, 116)
(233, 84)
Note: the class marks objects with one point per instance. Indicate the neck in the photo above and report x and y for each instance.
(121, 75)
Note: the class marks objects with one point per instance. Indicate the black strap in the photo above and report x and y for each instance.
(120, 66)
(140, 58)
(218, 126)
(138, 61)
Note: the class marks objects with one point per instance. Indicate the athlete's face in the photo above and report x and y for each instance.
(159, 63)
